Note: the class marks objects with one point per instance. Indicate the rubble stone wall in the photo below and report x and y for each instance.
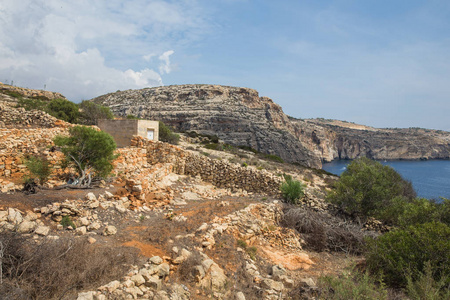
(218, 172)
(16, 144)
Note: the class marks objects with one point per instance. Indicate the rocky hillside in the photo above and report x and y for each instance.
(13, 117)
(239, 116)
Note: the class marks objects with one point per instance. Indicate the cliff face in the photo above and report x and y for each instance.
(343, 140)
(236, 115)
(240, 117)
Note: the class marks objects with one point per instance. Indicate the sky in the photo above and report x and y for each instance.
(382, 63)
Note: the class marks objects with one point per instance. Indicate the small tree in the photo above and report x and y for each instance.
(64, 109)
(91, 113)
(291, 190)
(166, 134)
(90, 151)
(368, 188)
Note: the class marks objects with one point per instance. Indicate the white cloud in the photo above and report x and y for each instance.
(165, 68)
(86, 48)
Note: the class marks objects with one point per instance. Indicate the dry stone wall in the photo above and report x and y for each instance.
(145, 163)
(15, 144)
(218, 172)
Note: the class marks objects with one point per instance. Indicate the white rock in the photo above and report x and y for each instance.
(120, 208)
(138, 279)
(94, 204)
(93, 226)
(26, 226)
(153, 283)
(42, 230)
(81, 230)
(156, 260)
(110, 230)
(90, 197)
(240, 296)
(111, 287)
(83, 221)
(14, 216)
(86, 296)
(3, 215)
(108, 195)
(218, 278)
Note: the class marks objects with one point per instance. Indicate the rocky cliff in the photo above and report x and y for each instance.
(239, 116)
(236, 115)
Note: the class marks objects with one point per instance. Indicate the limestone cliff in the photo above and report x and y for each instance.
(240, 117)
(237, 115)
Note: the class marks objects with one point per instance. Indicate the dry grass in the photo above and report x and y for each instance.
(57, 269)
(322, 231)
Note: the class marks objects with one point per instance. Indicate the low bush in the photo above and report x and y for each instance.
(322, 231)
(30, 104)
(291, 190)
(92, 112)
(352, 286)
(67, 221)
(187, 269)
(426, 287)
(166, 134)
(64, 110)
(407, 251)
(273, 157)
(39, 168)
(57, 269)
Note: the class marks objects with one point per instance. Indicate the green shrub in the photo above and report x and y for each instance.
(30, 104)
(166, 134)
(408, 250)
(64, 110)
(131, 117)
(91, 113)
(352, 286)
(242, 244)
(367, 188)
(39, 168)
(291, 190)
(251, 251)
(90, 151)
(425, 287)
(67, 221)
(273, 157)
(404, 212)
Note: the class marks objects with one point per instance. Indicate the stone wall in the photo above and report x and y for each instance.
(145, 163)
(16, 144)
(218, 172)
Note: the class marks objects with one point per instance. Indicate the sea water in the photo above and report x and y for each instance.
(430, 178)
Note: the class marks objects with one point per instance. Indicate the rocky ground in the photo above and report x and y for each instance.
(201, 242)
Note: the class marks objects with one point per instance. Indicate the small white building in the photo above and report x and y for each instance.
(123, 130)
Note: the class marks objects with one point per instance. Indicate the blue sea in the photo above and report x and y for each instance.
(430, 178)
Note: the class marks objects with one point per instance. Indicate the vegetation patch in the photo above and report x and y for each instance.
(322, 231)
(57, 269)
(90, 151)
(291, 190)
(407, 251)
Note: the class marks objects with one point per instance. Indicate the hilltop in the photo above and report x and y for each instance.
(239, 116)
